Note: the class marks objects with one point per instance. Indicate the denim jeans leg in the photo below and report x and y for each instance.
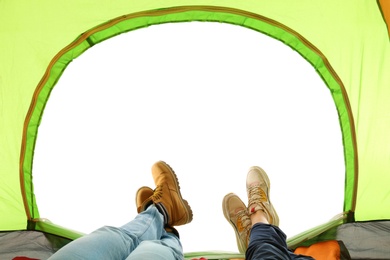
(114, 243)
(168, 248)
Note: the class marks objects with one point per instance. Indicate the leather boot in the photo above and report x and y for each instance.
(143, 198)
(167, 197)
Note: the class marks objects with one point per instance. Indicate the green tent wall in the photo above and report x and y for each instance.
(347, 42)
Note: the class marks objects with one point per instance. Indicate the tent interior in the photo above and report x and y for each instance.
(220, 123)
(77, 138)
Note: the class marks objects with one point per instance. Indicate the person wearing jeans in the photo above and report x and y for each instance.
(150, 235)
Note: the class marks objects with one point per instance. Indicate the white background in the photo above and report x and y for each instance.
(211, 100)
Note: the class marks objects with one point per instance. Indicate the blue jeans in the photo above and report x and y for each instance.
(269, 242)
(142, 238)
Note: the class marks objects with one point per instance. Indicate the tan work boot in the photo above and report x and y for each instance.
(143, 198)
(258, 187)
(167, 197)
(236, 214)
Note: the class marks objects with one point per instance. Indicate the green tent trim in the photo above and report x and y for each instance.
(143, 19)
(347, 42)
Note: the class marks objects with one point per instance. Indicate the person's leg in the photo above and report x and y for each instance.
(176, 211)
(267, 241)
(167, 248)
(168, 209)
(166, 196)
(115, 243)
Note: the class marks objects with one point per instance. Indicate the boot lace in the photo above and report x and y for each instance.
(256, 197)
(157, 194)
(243, 220)
(244, 225)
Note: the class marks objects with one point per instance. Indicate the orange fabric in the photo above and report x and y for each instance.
(385, 7)
(327, 250)
(24, 258)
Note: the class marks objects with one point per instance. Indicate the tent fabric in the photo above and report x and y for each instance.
(366, 240)
(347, 42)
(29, 244)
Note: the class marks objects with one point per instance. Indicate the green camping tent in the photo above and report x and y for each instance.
(347, 42)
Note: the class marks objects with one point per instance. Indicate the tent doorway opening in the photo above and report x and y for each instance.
(211, 100)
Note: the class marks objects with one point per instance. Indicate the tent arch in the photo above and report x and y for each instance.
(184, 14)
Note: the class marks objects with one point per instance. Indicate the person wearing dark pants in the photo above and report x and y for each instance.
(256, 225)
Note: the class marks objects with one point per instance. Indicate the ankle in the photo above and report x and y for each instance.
(163, 211)
(259, 217)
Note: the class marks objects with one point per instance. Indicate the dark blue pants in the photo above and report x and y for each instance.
(269, 242)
